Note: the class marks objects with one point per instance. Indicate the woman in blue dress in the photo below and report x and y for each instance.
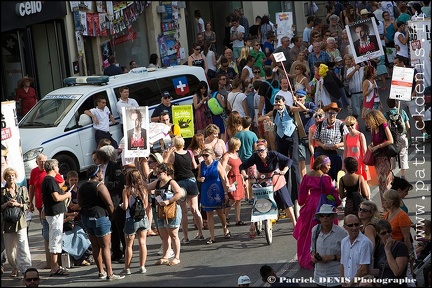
(267, 162)
(213, 191)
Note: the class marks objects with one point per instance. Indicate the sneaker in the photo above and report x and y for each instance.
(126, 272)
(185, 241)
(171, 254)
(142, 270)
(197, 237)
(102, 275)
(115, 277)
(160, 252)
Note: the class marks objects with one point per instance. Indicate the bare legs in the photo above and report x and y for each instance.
(142, 241)
(102, 252)
(192, 201)
(210, 221)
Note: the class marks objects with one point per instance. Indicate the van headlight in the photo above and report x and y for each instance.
(32, 154)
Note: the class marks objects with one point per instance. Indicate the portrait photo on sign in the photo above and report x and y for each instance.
(135, 131)
(363, 36)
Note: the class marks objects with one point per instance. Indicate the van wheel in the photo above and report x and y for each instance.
(66, 164)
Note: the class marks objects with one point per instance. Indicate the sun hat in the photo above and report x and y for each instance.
(300, 93)
(157, 157)
(325, 209)
(333, 106)
(244, 279)
(364, 12)
(21, 81)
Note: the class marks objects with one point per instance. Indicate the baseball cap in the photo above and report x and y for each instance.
(243, 280)
(300, 93)
(166, 94)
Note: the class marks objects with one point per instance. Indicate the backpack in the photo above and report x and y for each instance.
(137, 210)
(274, 91)
(396, 127)
(214, 105)
(395, 120)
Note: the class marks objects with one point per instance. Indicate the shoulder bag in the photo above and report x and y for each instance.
(369, 158)
(13, 214)
(169, 211)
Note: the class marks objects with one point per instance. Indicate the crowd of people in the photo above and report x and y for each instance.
(259, 132)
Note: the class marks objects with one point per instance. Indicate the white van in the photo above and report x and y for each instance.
(58, 127)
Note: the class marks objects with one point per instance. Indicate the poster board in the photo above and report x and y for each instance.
(135, 131)
(183, 116)
(363, 36)
(401, 83)
(285, 26)
(420, 48)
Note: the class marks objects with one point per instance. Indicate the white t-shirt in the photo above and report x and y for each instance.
(209, 58)
(200, 22)
(236, 101)
(120, 103)
(288, 97)
(103, 116)
(355, 82)
(240, 29)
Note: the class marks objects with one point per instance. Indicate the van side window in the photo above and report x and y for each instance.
(145, 93)
(167, 84)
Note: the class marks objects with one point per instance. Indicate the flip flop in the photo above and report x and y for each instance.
(60, 272)
(227, 235)
(240, 223)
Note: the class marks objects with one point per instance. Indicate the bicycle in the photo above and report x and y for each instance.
(264, 208)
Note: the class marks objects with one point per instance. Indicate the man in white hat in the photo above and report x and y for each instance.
(326, 247)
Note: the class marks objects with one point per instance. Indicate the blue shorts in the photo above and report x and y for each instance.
(132, 226)
(172, 223)
(98, 227)
(190, 185)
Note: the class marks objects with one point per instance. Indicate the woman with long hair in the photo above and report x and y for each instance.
(15, 234)
(233, 124)
(134, 191)
(210, 37)
(170, 192)
(314, 183)
(301, 80)
(197, 59)
(214, 191)
(231, 163)
(368, 215)
(96, 208)
(210, 56)
(381, 137)
(202, 114)
(184, 163)
(301, 59)
(213, 141)
(371, 98)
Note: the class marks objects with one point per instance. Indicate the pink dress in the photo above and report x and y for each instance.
(235, 176)
(309, 196)
(355, 150)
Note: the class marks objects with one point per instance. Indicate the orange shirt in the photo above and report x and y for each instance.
(399, 221)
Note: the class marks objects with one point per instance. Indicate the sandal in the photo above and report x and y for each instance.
(240, 223)
(209, 242)
(163, 261)
(152, 233)
(227, 235)
(60, 272)
(175, 261)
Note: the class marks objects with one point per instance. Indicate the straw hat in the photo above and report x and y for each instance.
(157, 157)
(21, 81)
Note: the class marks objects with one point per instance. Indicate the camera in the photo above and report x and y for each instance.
(318, 257)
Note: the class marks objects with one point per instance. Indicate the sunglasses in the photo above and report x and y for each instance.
(325, 215)
(205, 155)
(328, 35)
(383, 233)
(256, 72)
(197, 48)
(364, 210)
(318, 116)
(166, 97)
(332, 113)
(32, 279)
(350, 125)
(353, 225)
(160, 172)
(261, 141)
(260, 150)
(297, 68)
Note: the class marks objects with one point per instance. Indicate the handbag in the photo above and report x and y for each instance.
(369, 158)
(332, 198)
(167, 212)
(13, 214)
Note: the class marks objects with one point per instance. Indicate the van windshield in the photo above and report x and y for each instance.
(49, 111)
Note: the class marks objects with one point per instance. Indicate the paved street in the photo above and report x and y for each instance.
(223, 262)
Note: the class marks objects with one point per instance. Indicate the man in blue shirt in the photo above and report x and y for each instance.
(113, 69)
(317, 55)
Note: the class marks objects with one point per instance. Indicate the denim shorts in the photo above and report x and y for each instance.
(98, 227)
(172, 223)
(190, 185)
(132, 226)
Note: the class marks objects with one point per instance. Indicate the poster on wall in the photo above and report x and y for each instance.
(168, 15)
(106, 52)
(135, 130)
(83, 19)
(79, 42)
(364, 37)
(285, 26)
(420, 48)
(11, 150)
(169, 49)
(183, 116)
